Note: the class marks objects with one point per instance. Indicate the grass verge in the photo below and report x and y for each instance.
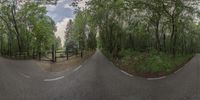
(151, 64)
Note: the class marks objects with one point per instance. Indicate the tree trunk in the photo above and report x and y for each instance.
(16, 27)
(81, 53)
(173, 36)
(9, 36)
(67, 53)
(158, 45)
(1, 44)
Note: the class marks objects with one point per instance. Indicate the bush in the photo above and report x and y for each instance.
(151, 62)
(161, 62)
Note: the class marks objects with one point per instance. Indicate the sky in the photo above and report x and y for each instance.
(61, 14)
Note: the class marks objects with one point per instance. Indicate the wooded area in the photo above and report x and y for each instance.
(145, 37)
(27, 32)
(80, 35)
(25, 29)
(170, 26)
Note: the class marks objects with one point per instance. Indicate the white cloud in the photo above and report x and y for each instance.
(57, 12)
(82, 3)
(68, 6)
(51, 7)
(61, 26)
(60, 1)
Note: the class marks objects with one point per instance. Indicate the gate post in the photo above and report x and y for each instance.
(33, 54)
(53, 53)
(40, 55)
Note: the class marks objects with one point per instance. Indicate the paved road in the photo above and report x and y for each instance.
(96, 79)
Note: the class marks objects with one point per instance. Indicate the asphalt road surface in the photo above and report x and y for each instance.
(96, 79)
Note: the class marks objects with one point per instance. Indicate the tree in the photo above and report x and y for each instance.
(26, 28)
(58, 43)
(143, 25)
(78, 31)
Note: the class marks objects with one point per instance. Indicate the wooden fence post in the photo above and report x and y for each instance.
(39, 55)
(81, 53)
(53, 53)
(67, 52)
(33, 54)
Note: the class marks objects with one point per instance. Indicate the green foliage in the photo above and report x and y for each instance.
(151, 35)
(58, 43)
(152, 62)
(167, 26)
(161, 63)
(91, 41)
(80, 33)
(25, 28)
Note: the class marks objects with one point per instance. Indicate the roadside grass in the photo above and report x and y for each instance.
(149, 64)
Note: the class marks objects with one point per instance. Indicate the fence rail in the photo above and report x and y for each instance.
(50, 55)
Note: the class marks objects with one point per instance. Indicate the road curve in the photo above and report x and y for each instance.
(96, 79)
